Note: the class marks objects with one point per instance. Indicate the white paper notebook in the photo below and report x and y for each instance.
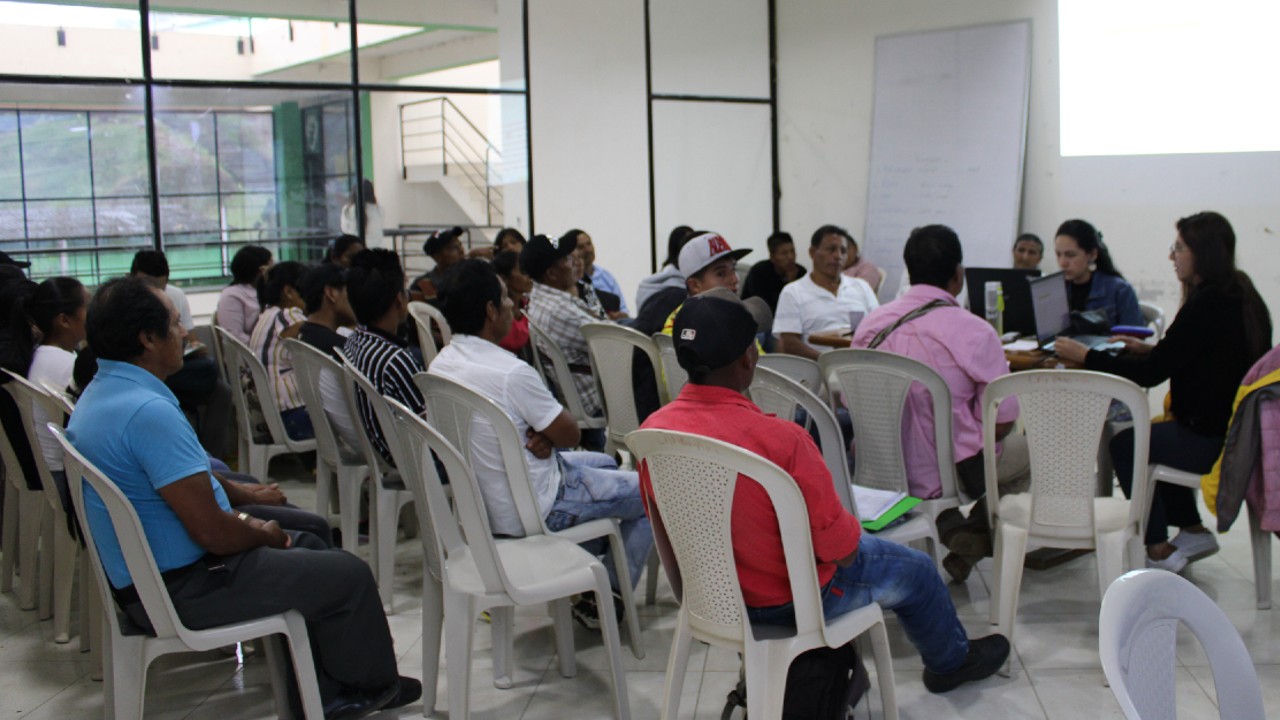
(873, 503)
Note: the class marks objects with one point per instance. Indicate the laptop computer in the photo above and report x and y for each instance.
(1017, 295)
(1052, 313)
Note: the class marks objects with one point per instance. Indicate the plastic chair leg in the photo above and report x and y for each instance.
(460, 617)
(1110, 552)
(502, 628)
(677, 666)
(9, 541)
(623, 570)
(350, 489)
(385, 546)
(127, 677)
(324, 487)
(304, 666)
(31, 505)
(651, 581)
(276, 667)
(612, 642)
(45, 566)
(763, 688)
(563, 619)
(1010, 553)
(1261, 541)
(432, 634)
(65, 549)
(884, 669)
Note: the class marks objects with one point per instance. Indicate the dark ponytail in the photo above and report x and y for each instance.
(37, 312)
(1089, 239)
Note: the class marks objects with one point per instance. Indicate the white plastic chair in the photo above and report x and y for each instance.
(335, 458)
(240, 358)
(424, 315)
(1153, 315)
(781, 396)
(612, 348)
(452, 409)
(803, 370)
(216, 345)
(59, 548)
(389, 495)
(22, 511)
(1137, 631)
(1063, 411)
(1260, 539)
(126, 657)
(693, 480)
(559, 378)
(673, 376)
(874, 385)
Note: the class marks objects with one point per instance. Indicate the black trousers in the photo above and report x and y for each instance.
(1177, 446)
(333, 589)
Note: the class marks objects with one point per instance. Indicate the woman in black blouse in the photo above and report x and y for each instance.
(1222, 328)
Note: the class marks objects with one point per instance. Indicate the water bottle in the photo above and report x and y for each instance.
(995, 305)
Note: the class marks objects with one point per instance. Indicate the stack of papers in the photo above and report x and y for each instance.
(1021, 346)
(877, 509)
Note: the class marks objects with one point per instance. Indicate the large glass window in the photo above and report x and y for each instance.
(261, 130)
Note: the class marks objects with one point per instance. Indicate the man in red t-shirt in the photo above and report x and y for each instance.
(714, 339)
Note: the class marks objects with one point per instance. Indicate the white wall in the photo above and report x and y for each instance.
(825, 78)
(590, 149)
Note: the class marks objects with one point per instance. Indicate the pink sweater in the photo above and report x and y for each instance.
(1264, 487)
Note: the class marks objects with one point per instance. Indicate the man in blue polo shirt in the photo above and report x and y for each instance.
(219, 566)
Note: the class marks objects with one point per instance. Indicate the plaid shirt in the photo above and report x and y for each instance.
(561, 315)
(390, 367)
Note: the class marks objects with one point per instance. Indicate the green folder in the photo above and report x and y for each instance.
(893, 513)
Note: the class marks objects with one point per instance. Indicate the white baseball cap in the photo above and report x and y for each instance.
(704, 249)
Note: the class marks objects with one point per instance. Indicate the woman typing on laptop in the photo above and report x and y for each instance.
(1221, 329)
(1093, 282)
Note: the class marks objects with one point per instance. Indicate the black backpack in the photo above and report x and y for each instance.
(822, 684)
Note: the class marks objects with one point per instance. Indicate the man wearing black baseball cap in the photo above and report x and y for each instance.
(7, 259)
(714, 341)
(557, 310)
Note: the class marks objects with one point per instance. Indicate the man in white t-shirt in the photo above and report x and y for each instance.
(822, 300)
(570, 487)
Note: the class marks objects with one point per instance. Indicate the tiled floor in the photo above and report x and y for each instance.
(1055, 672)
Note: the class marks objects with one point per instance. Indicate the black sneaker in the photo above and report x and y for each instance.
(986, 656)
(587, 613)
(407, 690)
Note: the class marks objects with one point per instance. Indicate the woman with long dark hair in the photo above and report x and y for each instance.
(47, 328)
(1222, 328)
(1093, 282)
(342, 249)
(282, 317)
(350, 220)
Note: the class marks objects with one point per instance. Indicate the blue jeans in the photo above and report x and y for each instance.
(902, 580)
(593, 487)
(297, 423)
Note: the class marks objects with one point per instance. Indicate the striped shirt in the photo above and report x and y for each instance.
(274, 356)
(561, 316)
(389, 365)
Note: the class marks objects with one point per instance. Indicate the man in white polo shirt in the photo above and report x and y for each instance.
(571, 487)
(822, 300)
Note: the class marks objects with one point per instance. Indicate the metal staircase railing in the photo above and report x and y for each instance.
(436, 130)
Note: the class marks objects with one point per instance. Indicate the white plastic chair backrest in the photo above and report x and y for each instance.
(311, 365)
(1137, 631)
(27, 396)
(694, 479)
(545, 351)
(674, 376)
(801, 369)
(131, 538)
(454, 410)
(59, 397)
(1153, 315)
(612, 348)
(353, 390)
(240, 358)
(424, 314)
(782, 396)
(430, 500)
(875, 385)
(1063, 412)
(217, 347)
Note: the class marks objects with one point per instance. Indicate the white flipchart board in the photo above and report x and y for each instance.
(947, 142)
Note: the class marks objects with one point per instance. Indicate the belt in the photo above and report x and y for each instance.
(128, 595)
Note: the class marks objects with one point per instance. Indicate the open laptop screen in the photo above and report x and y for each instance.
(1017, 298)
(1049, 304)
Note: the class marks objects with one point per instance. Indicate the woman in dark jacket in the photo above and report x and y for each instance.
(1222, 328)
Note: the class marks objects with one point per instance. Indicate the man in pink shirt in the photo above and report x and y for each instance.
(928, 325)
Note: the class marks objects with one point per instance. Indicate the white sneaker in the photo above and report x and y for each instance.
(1174, 563)
(1195, 546)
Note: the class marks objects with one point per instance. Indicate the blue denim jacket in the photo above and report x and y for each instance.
(1116, 296)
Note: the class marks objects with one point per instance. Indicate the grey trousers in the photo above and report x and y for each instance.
(333, 589)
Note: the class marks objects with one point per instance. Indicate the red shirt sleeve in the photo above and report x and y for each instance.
(835, 531)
